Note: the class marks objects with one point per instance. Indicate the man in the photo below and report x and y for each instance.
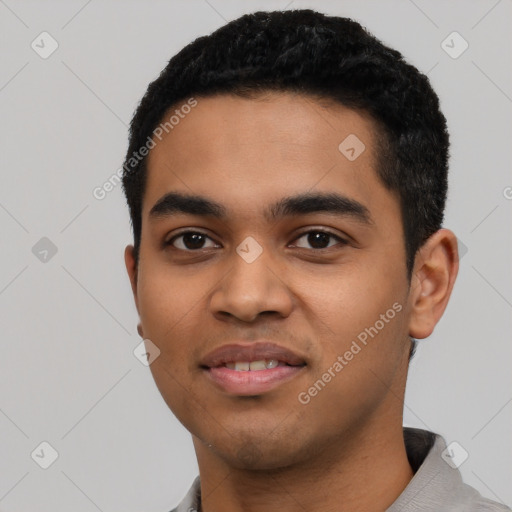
(286, 178)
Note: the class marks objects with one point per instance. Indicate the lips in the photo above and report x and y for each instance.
(251, 369)
(257, 351)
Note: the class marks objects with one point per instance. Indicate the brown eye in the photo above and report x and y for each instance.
(190, 241)
(319, 239)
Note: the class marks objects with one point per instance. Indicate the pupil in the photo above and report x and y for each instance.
(193, 240)
(317, 238)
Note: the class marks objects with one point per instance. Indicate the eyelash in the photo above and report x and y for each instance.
(183, 233)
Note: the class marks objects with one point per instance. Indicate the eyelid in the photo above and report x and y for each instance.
(169, 241)
(339, 238)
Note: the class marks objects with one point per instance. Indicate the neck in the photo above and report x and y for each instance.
(367, 471)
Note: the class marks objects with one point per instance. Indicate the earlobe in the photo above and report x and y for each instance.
(434, 274)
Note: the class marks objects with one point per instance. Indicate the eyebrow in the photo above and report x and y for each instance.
(175, 203)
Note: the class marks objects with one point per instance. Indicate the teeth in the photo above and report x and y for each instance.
(244, 366)
(258, 365)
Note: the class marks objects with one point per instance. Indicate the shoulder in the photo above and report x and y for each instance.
(482, 504)
(464, 498)
(437, 483)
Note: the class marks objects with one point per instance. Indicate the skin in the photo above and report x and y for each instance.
(343, 450)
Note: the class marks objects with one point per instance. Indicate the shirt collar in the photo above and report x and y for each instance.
(437, 482)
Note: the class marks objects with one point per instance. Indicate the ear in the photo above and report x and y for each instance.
(435, 270)
(131, 268)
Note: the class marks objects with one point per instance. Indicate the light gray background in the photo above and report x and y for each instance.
(67, 372)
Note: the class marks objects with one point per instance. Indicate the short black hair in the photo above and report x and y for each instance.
(327, 57)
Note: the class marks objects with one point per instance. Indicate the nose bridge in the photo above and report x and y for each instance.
(251, 285)
(250, 266)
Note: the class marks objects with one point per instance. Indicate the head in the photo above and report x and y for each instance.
(274, 122)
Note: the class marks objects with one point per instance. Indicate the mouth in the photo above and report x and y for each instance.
(251, 369)
(255, 366)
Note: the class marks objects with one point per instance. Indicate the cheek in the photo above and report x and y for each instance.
(352, 298)
(169, 316)
(360, 364)
(165, 298)
(360, 316)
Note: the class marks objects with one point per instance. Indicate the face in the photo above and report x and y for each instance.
(265, 241)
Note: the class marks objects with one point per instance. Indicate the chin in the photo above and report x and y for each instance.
(258, 454)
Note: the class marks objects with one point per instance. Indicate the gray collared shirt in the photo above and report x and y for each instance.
(435, 487)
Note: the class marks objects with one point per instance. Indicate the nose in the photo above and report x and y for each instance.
(250, 289)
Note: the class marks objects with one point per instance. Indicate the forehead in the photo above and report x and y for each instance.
(249, 152)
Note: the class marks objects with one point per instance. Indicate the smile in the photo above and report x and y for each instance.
(253, 366)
